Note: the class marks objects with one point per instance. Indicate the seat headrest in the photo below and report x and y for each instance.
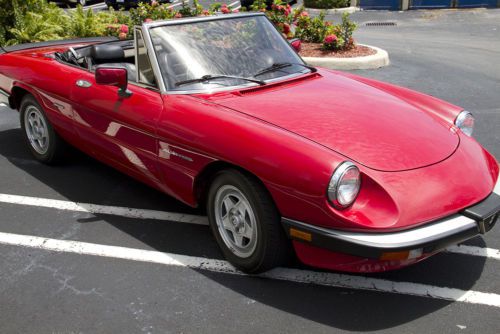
(105, 53)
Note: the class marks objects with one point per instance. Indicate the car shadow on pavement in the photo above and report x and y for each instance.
(82, 179)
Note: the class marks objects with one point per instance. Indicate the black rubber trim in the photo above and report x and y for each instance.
(27, 46)
(485, 209)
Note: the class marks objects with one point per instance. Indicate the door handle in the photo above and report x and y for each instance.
(83, 83)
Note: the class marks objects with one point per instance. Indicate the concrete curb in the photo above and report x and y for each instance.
(349, 10)
(379, 59)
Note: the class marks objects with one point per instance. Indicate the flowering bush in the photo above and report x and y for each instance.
(259, 6)
(282, 17)
(339, 37)
(44, 21)
(312, 29)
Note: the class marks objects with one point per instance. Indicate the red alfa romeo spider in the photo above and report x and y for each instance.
(349, 173)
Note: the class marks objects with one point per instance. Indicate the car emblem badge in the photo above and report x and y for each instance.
(166, 152)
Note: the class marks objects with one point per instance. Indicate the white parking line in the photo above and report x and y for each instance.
(285, 274)
(103, 209)
(177, 217)
(476, 251)
(234, 3)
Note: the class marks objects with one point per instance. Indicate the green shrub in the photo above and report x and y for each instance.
(312, 29)
(29, 20)
(325, 4)
(36, 20)
(41, 22)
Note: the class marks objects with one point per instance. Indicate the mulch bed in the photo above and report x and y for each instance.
(314, 50)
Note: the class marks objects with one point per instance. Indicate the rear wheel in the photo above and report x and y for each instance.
(245, 223)
(45, 145)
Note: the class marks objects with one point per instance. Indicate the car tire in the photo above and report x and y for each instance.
(246, 223)
(44, 143)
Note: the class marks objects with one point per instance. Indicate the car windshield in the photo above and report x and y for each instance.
(222, 52)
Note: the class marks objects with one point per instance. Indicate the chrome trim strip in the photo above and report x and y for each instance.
(442, 228)
(152, 58)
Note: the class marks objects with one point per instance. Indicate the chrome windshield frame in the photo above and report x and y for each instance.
(147, 26)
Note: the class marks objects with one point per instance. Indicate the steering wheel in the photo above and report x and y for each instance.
(75, 55)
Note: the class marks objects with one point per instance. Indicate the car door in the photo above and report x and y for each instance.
(116, 129)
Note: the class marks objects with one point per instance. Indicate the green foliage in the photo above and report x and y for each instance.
(40, 23)
(312, 29)
(258, 6)
(14, 15)
(187, 10)
(145, 11)
(84, 23)
(37, 20)
(344, 30)
(325, 4)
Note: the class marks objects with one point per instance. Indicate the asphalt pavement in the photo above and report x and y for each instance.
(68, 267)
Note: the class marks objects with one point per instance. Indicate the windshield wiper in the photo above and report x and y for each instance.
(278, 66)
(209, 77)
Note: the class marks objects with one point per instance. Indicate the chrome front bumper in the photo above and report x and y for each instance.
(426, 239)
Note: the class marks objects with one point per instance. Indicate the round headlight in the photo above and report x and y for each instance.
(465, 122)
(344, 185)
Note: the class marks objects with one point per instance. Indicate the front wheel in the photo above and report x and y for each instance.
(44, 143)
(245, 223)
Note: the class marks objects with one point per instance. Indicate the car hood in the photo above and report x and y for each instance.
(366, 124)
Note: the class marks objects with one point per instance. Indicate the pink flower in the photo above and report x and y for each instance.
(236, 10)
(304, 14)
(286, 28)
(148, 20)
(122, 35)
(154, 3)
(124, 29)
(178, 16)
(225, 10)
(205, 12)
(330, 39)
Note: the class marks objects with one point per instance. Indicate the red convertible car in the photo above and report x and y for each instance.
(348, 173)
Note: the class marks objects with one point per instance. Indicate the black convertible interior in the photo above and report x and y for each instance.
(113, 54)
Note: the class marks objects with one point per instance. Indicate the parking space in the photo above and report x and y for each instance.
(86, 249)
